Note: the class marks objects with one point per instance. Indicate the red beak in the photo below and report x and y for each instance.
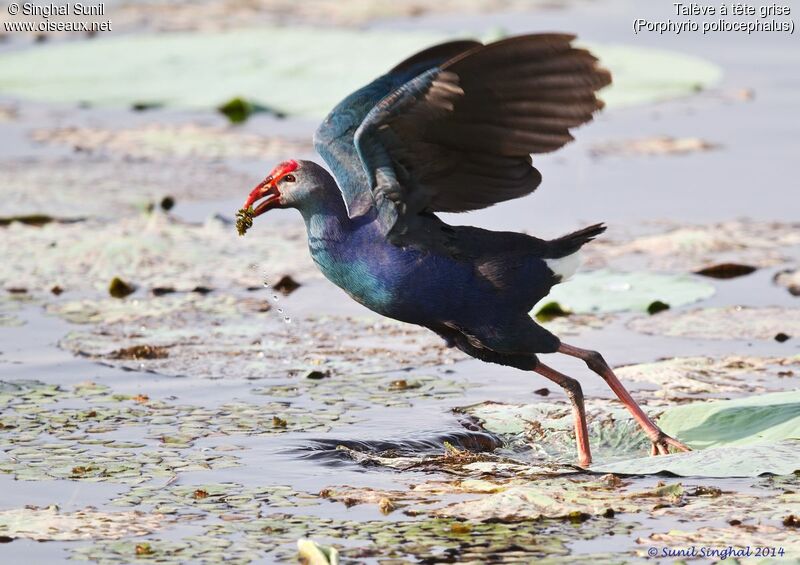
(265, 189)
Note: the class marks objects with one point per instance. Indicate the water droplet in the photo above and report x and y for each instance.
(287, 319)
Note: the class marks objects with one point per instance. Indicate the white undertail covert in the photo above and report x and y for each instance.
(565, 267)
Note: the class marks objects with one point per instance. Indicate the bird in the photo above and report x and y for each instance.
(451, 129)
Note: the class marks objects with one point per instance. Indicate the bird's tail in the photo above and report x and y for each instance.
(570, 243)
(563, 257)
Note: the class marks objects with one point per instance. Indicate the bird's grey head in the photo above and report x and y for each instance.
(291, 184)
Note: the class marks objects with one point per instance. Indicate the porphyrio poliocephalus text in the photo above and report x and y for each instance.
(452, 129)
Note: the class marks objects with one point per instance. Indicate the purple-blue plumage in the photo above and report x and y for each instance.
(452, 129)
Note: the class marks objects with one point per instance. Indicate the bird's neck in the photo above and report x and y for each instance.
(326, 216)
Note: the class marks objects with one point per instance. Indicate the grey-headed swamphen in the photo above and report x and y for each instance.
(451, 129)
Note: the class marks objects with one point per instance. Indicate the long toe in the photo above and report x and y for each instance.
(661, 445)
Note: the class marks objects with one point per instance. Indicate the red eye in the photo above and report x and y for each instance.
(289, 178)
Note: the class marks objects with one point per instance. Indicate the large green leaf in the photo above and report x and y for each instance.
(296, 70)
(610, 291)
(744, 437)
(743, 421)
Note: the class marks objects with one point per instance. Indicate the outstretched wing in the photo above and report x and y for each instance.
(334, 139)
(459, 136)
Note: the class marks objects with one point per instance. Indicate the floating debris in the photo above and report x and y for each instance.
(726, 270)
(140, 352)
(118, 288)
(657, 306)
(551, 311)
(789, 279)
(659, 145)
(286, 285)
(730, 322)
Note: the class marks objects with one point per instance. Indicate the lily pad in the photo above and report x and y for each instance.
(50, 524)
(218, 499)
(790, 280)
(219, 336)
(115, 190)
(780, 458)
(683, 377)
(733, 542)
(693, 248)
(559, 498)
(731, 322)
(661, 145)
(171, 15)
(161, 142)
(53, 433)
(738, 422)
(744, 437)
(419, 541)
(149, 251)
(736, 438)
(315, 67)
(608, 291)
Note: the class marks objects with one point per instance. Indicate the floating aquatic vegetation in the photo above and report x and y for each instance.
(683, 377)
(575, 324)
(118, 288)
(543, 432)
(36, 220)
(155, 251)
(244, 220)
(201, 70)
(8, 306)
(231, 14)
(238, 110)
(608, 291)
(576, 500)
(742, 421)
(51, 524)
(790, 280)
(46, 436)
(218, 499)
(244, 346)
(694, 248)
(286, 285)
(739, 539)
(8, 113)
(731, 322)
(726, 271)
(779, 458)
(180, 309)
(91, 187)
(550, 311)
(749, 436)
(657, 306)
(159, 142)
(659, 145)
(367, 390)
(140, 352)
(428, 540)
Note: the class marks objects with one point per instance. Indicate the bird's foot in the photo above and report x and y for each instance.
(662, 442)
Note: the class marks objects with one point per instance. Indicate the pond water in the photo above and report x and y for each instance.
(235, 433)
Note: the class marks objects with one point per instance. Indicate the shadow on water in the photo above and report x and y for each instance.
(328, 452)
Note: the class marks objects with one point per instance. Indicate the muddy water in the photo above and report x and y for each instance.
(750, 175)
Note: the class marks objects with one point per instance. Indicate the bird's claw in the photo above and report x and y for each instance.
(661, 444)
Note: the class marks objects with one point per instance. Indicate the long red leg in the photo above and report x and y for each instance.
(661, 441)
(575, 395)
